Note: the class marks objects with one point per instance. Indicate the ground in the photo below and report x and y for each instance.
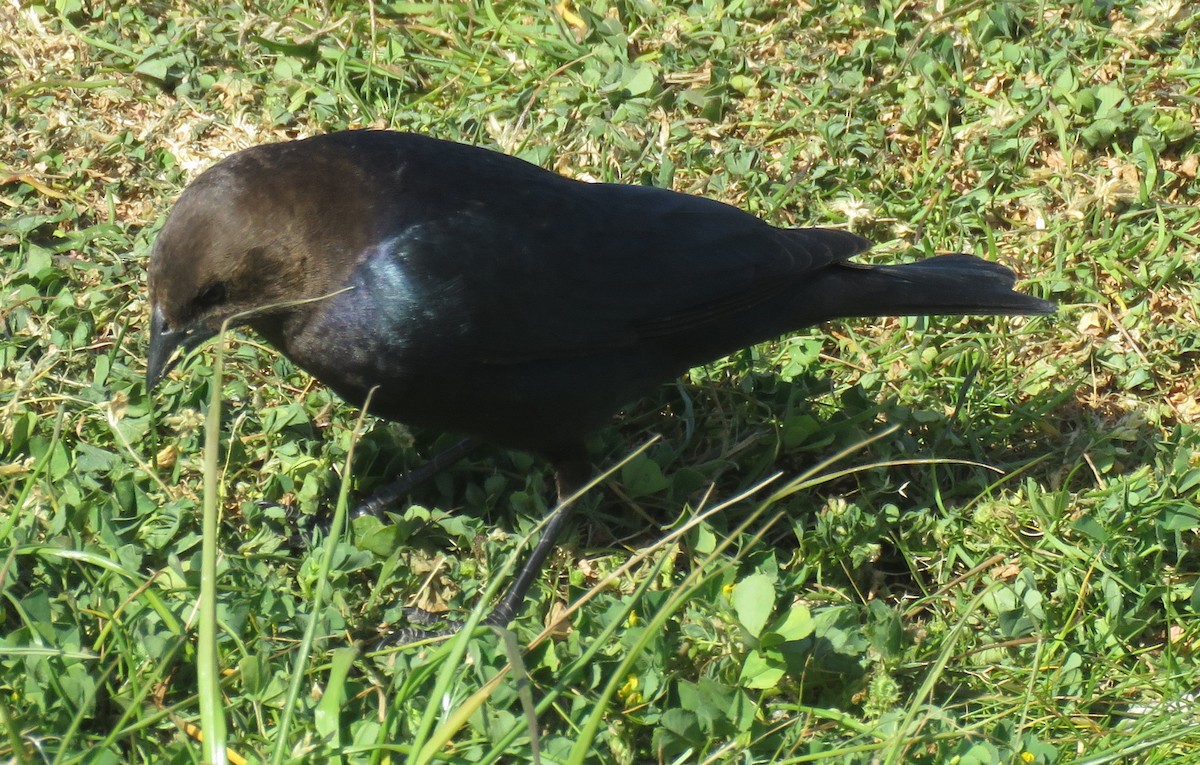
(908, 540)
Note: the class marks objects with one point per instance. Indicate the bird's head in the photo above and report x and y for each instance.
(238, 246)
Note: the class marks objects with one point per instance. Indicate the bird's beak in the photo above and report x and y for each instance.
(164, 341)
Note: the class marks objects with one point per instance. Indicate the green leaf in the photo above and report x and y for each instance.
(643, 476)
(886, 630)
(796, 624)
(978, 754)
(708, 700)
(1108, 102)
(1187, 481)
(1100, 132)
(706, 540)
(328, 711)
(743, 84)
(1180, 518)
(154, 67)
(1065, 84)
(377, 537)
(678, 730)
(761, 670)
(639, 80)
(60, 461)
(1089, 525)
(753, 600)
(798, 429)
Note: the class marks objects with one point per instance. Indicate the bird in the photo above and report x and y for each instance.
(478, 294)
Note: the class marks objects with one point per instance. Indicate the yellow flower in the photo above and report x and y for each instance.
(628, 691)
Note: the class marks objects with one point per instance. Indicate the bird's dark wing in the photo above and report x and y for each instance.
(562, 268)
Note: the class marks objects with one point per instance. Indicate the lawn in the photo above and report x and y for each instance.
(892, 541)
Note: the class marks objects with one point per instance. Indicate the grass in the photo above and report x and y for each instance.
(916, 540)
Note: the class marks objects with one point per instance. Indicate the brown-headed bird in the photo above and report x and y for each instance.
(485, 296)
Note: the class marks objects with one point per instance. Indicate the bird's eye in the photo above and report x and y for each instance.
(212, 295)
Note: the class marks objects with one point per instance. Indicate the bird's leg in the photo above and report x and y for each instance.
(381, 500)
(390, 494)
(570, 475)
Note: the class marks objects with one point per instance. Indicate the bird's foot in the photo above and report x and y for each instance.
(392, 493)
(419, 618)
